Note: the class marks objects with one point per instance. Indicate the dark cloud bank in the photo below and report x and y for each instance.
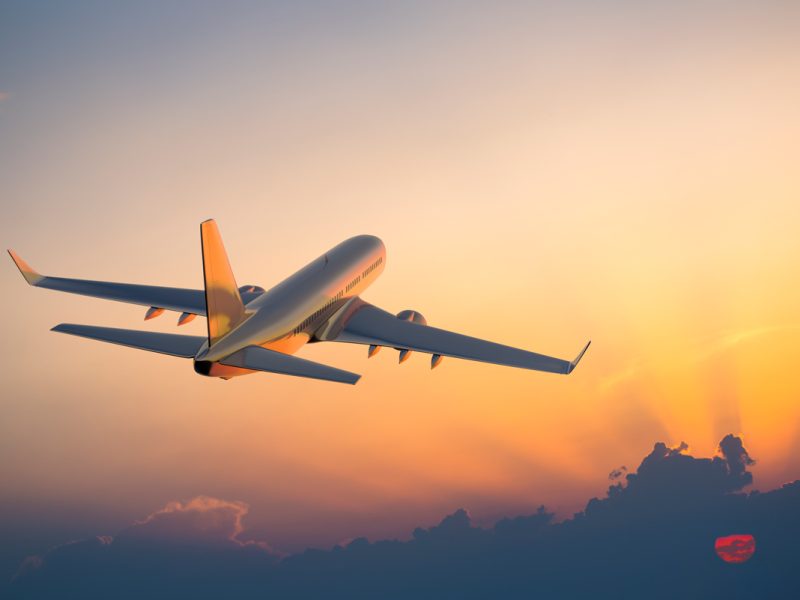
(652, 536)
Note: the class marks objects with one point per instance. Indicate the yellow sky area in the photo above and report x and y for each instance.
(109, 425)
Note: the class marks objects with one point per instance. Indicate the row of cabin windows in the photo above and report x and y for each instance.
(338, 296)
(353, 283)
(317, 313)
(373, 266)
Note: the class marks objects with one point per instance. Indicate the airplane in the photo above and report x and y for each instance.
(251, 329)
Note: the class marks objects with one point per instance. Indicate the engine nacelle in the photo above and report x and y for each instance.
(251, 289)
(186, 318)
(250, 292)
(413, 316)
(153, 312)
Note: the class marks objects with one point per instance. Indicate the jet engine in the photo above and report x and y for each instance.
(415, 317)
(251, 289)
(250, 292)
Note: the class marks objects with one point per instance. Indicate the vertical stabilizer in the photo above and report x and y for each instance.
(224, 307)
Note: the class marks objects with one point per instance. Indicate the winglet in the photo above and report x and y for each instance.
(28, 272)
(578, 358)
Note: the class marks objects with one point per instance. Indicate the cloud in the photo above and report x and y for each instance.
(524, 526)
(4, 96)
(617, 473)
(737, 458)
(453, 527)
(652, 535)
(201, 520)
(197, 539)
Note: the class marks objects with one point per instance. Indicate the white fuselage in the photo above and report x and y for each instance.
(287, 316)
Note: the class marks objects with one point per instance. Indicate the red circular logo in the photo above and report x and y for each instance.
(735, 548)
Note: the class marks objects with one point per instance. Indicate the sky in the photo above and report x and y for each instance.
(541, 174)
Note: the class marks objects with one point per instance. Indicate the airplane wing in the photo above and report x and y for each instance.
(177, 299)
(368, 324)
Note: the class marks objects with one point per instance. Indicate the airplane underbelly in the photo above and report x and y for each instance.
(289, 344)
(286, 345)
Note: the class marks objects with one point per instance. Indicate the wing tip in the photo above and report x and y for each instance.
(578, 358)
(31, 275)
(64, 328)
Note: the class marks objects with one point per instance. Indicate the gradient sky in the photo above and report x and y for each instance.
(540, 174)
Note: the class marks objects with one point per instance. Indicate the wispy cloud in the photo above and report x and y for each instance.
(202, 519)
(4, 96)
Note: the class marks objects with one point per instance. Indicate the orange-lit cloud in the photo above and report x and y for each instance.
(201, 520)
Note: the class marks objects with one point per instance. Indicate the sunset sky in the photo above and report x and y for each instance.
(541, 175)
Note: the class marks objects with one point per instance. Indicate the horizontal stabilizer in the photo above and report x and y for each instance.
(262, 359)
(185, 346)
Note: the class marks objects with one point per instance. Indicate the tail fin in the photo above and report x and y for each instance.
(224, 307)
